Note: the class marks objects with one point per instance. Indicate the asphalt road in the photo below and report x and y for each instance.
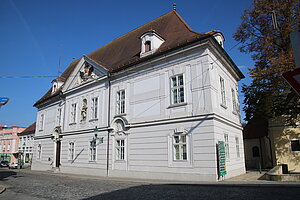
(32, 185)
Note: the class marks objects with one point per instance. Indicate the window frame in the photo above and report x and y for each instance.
(59, 116)
(94, 108)
(175, 90)
(180, 149)
(120, 102)
(39, 151)
(41, 122)
(92, 151)
(223, 92)
(120, 149)
(237, 147)
(73, 113)
(226, 144)
(293, 140)
(71, 150)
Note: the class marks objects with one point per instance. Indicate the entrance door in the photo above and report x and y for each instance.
(58, 147)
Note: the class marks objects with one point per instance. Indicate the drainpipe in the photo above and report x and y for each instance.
(108, 123)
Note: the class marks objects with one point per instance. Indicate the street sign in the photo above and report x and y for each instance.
(3, 101)
(293, 78)
(222, 158)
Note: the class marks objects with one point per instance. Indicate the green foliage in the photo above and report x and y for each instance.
(268, 95)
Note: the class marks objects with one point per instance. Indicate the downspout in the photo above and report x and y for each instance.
(108, 123)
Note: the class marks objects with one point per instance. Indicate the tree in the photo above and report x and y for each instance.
(264, 32)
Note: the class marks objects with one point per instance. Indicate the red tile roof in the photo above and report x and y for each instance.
(29, 129)
(125, 50)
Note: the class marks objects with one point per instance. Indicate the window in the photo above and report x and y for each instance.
(147, 46)
(94, 108)
(39, 149)
(177, 89)
(71, 150)
(234, 102)
(295, 145)
(41, 122)
(255, 151)
(120, 149)
(226, 143)
(121, 102)
(73, 113)
(180, 147)
(93, 149)
(223, 97)
(237, 147)
(59, 114)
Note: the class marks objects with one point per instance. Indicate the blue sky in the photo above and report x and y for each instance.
(33, 32)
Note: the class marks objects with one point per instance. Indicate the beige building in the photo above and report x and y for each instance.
(271, 143)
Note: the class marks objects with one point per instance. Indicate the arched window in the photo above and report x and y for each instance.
(147, 46)
(255, 151)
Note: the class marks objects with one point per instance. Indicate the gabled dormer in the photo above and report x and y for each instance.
(150, 42)
(219, 37)
(56, 84)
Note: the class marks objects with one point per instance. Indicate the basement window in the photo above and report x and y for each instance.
(295, 145)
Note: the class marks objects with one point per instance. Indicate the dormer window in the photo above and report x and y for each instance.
(56, 84)
(150, 41)
(147, 46)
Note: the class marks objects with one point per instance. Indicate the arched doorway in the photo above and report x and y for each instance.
(57, 147)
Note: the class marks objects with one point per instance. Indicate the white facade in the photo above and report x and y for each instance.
(158, 119)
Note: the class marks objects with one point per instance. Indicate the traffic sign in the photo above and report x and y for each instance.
(293, 78)
(3, 101)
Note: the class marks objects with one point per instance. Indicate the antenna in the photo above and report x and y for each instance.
(174, 6)
(58, 71)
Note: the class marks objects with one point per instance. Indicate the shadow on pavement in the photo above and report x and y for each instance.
(4, 173)
(178, 191)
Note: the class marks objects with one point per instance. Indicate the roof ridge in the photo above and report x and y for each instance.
(185, 24)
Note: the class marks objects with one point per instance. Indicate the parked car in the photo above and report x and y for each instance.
(14, 165)
(4, 163)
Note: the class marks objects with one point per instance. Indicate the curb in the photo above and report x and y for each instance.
(2, 189)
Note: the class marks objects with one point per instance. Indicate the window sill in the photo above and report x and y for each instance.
(73, 123)
(93, 120)
(120, 115)
(120, 161)
(234, 112)
(177, 105)
(224, 106)
(92, 161)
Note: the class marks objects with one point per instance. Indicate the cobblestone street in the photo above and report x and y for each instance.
(36, 185)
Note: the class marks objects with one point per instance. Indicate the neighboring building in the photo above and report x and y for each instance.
(270, 143)
(153, 103)
(26, 144)
(9, 143)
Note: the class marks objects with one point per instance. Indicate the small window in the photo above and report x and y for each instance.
(59, 115)
(180, 147)
(93, 149)
(237, 147)
(226, 144)
(120, 102)
(73, 113)
(41, 122)
(177, 89)
(255, 152)
(94, 108)
(234, 101)
(223, 95)
(295, 145)
(39, 149)
(71, 150)
(120, 149)
(147, 46)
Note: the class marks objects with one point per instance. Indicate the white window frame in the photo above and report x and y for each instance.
(120, 102)
(71, 151)
(94, 108)
(291, 145)
(226, 144)
(73, 111)
(180, 143)
(92, 150)
(39, 151)
(42, 121)
(59, 116)
(120, 149)
(237, 147)
(234, 101)
(177, 89)
(223, 93)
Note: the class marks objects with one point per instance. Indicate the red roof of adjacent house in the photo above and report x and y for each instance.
(125, 50)
(29, 129)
